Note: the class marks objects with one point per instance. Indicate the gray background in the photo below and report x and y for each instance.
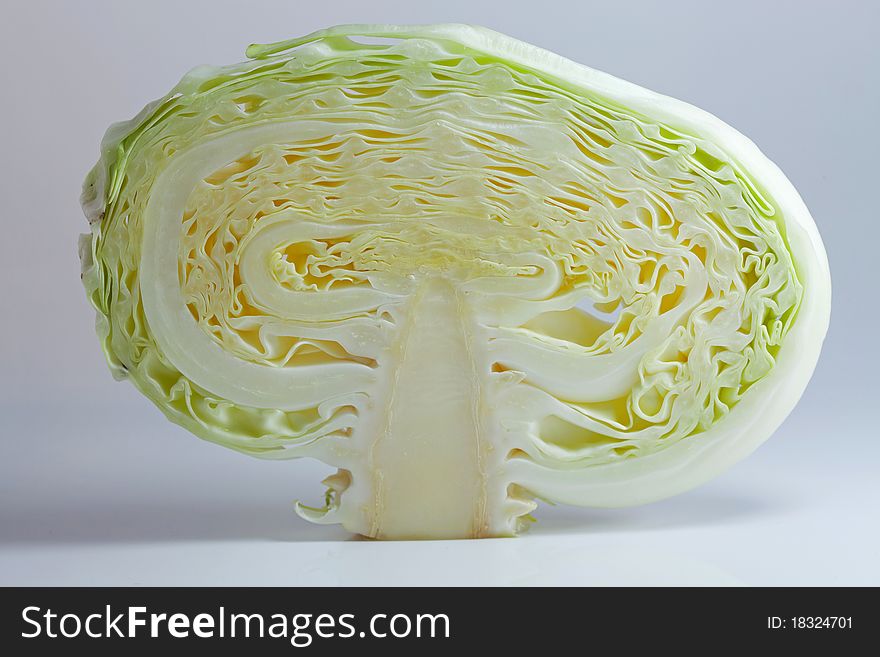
(97, 488)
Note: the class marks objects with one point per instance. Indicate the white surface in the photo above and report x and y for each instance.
(113, 504)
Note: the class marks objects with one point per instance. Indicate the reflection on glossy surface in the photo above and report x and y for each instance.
(170, 540)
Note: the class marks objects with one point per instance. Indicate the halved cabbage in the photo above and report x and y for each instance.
(465, 271)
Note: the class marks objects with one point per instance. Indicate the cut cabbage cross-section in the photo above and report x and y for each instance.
(462, 270)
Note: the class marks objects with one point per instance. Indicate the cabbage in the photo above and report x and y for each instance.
(464, 271)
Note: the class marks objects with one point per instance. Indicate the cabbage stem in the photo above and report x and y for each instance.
(428, 456)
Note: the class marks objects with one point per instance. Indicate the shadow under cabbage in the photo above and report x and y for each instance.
(107, 521)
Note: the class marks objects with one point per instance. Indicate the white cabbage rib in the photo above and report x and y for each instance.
(463, 270)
